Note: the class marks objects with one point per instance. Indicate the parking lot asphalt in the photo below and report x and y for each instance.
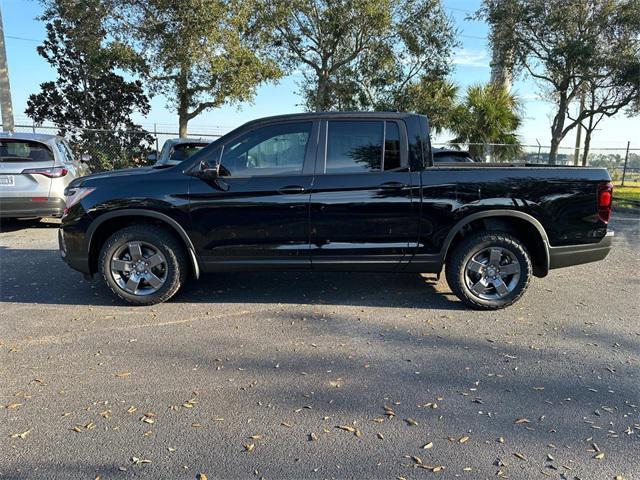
(317, 375)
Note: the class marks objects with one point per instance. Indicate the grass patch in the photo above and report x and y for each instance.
(627, 196)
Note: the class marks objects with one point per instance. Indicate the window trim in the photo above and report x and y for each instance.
(321, 157)
(309, 156)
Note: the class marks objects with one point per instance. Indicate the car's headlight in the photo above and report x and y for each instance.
(74, 195)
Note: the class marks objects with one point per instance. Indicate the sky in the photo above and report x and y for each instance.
(23, 33)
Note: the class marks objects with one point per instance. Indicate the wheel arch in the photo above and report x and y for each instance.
(106, 224)
(527, 228)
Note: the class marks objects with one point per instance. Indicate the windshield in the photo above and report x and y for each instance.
(24, 151)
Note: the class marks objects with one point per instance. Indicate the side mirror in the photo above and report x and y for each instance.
(209, 172)
(212, 175)
(152, 157)
(85, 158)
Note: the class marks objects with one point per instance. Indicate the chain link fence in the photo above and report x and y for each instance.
(112, 149)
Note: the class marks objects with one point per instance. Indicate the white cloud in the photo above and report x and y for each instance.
(471, 58)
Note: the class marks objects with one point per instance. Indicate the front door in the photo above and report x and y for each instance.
(363, 214)
(257, 212)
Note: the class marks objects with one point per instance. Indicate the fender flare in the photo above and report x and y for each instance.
(139, 212)
(500, 213)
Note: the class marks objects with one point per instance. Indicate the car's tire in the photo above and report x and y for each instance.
(489, 270)
(144, 264)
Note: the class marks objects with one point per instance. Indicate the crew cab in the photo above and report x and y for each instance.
(339, 192)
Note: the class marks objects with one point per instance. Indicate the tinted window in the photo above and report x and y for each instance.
(354, 147)
(272, 150)
(391, 146)
(24, 151)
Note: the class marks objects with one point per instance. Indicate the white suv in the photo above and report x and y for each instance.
(34, 171)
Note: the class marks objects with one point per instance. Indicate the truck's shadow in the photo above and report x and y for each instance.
(40, 276)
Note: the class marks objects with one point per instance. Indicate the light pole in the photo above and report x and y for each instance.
(5, 89)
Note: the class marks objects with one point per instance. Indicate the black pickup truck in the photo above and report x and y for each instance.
(340, 192)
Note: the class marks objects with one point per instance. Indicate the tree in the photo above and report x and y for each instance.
(89, 101)
(565, 45)
(201, 54)
(364, 54)
(487, 114)
(436, 99)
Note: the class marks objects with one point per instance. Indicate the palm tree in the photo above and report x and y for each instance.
(487, 114)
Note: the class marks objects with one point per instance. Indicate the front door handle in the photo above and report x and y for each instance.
(292, 189)
(392, 186)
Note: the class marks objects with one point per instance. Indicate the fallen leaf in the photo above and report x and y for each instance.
(380, 436)
(123, 374)
(464, 439)
(428, 446)
(313, 437)
(12, 406)
(599, 456)
(346, 428)
(249, 447)
(520, 456)
(22, 435)
(201, 476)
(520, 421)
(411, 422)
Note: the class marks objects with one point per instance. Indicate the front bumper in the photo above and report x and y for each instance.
(578, 254)
(17, 207)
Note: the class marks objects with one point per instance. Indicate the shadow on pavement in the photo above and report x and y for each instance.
(40, 276)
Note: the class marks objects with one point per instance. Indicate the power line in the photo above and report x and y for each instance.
(13, 37)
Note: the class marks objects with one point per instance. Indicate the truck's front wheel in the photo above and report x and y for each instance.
(143, 264)
(489, 270)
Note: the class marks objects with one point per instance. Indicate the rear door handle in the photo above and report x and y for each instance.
(292, 189)
(392, 186)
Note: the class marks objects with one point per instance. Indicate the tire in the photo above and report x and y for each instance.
(148, 274)
(473, 279)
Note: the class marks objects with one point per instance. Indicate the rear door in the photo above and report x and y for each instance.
(363, 215)
(16, 156)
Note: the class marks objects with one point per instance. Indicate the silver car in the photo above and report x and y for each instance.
(34, 171)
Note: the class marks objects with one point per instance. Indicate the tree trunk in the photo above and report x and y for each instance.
(587, 143)
(553, 150)
(182, 85)
(321, 94)
(556, 128)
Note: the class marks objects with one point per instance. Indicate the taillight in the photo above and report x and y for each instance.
(605, 195)
(51, 172)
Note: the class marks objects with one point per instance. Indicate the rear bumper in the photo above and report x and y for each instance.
(16, 207)
(578, 254)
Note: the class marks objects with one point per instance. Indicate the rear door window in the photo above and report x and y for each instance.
(362, 146)
(24, 151)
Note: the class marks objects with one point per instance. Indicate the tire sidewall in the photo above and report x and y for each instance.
(505, 241)
(172, 282)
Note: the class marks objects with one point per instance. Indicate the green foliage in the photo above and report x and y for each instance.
(200, 54)
(363, 54)
(437, 99)
(88, 93)
(487, 114)
(570, 47)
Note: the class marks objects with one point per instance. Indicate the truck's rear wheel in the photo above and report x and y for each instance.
(143, 264)
(489, 270)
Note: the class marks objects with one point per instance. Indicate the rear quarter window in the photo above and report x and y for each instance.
(24, 151)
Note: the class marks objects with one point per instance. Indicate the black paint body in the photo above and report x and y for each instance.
(405, 219)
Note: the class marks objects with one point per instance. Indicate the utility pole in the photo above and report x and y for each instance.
(5, 89)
